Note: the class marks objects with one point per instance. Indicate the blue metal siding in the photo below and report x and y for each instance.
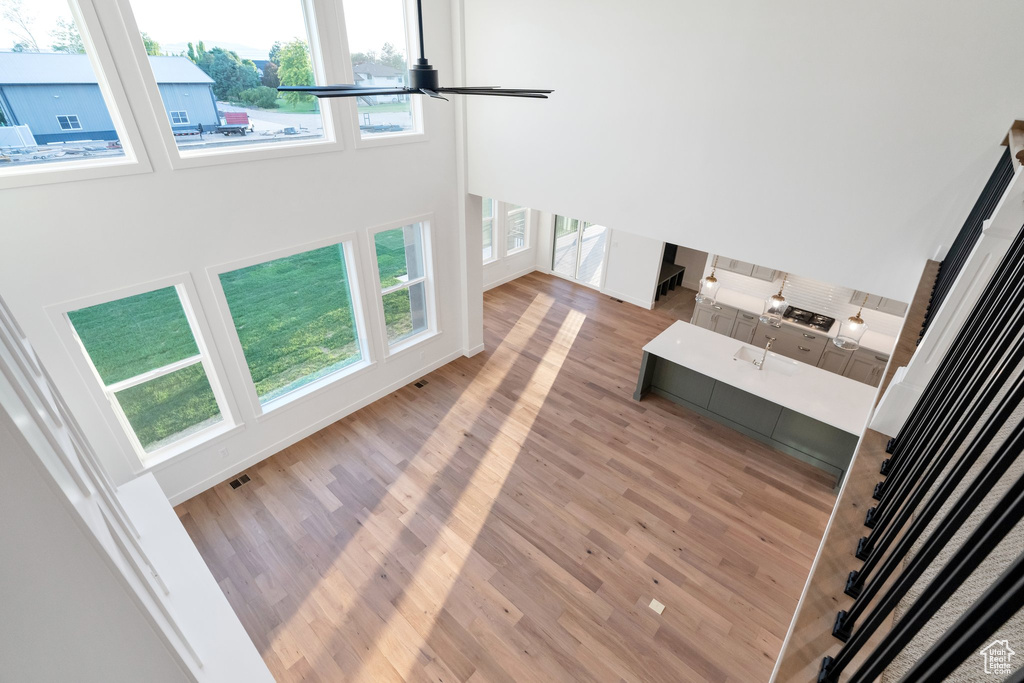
(37, 106)
(193, 98)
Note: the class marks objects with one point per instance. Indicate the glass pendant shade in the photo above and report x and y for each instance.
(775, 306)
(708, 289)
(850, 333)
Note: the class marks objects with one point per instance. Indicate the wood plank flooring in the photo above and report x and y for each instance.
(512, 519)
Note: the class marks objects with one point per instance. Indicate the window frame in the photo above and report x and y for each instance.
(389, 350)
(494, 229)
(317, 16)
(104, 396)
(134, 160)
(179, 122)
(499, 231)
(526, 228)
(418, 133)
(256, 409)
(77, 121)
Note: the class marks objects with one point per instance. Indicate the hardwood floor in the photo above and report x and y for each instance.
(512, 519)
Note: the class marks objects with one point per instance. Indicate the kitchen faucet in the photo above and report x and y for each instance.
(767, 347)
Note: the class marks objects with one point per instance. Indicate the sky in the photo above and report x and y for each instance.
(249, 28)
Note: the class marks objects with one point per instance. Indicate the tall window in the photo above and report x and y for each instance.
(144, 351)
(295, 319)
(506, 229)
(489, 214)
(578, 251)
(220, 63)
(402, 267)
(44, 72)
(516, 221)
(377, 39)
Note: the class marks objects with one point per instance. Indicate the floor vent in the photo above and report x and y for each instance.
(244, 479)
(422, 383)
(618, 300)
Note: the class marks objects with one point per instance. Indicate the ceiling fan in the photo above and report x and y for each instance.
(422, 80)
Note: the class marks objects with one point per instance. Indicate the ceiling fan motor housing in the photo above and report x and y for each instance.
(423, 76)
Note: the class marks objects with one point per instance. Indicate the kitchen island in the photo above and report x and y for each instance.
(809, 413)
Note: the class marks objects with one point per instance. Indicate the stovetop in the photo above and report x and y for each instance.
(817, 321)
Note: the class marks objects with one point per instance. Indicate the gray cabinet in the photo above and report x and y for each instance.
(762, 273)
(866, 366)
(744, 328)
(735, 265)
(717, 318)
(792, 342)
(834, 359)
(879, 303)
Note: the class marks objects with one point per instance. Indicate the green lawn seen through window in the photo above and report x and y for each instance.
(294, 319)
(130, 336)
(391, 260)
(170, 407)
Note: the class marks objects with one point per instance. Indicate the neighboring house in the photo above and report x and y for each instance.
(369, 75)
(58, 97)
(261, 65)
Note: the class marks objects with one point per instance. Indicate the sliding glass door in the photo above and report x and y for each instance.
(579, 249)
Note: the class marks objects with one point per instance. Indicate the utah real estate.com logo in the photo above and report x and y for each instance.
(997, 656)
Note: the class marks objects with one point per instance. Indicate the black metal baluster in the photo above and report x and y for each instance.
(1007, 512)
(974, 371)
(846, 619)
(999, 522)
(974, 628)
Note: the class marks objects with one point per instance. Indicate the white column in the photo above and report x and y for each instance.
(910, 381)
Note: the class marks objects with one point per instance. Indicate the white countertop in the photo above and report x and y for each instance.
(823, 395)
(875, 341)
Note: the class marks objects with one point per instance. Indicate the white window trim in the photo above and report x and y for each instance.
(526, 230)
(257, 410)
(135, 455)
(182, 114)
(316, 15)
(77, 123)
(390, 350)
(499, 232)
(418, 132)
(134, 160)
(495, 254)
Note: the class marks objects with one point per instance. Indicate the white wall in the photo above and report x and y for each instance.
(66, 617)
(632, 269)
(843, 141)
(694, 262)
(66, 241)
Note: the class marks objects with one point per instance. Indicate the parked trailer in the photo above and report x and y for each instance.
(235, 123)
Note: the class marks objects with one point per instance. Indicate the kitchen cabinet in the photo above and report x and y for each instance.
(792, 342)
(735, 265)
(762, 273)
(879, 303)
(715, 317)
(744, 328)
(866, 366)
(834, 359)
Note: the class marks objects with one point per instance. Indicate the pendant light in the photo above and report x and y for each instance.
(852, 330)
(775, 306)
(709, 286)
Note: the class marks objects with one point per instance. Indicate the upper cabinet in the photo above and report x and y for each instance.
(879, 303)
(745, 268)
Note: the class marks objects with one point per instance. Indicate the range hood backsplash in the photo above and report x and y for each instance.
(811, 295)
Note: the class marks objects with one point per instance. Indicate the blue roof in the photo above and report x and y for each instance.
(33, 68)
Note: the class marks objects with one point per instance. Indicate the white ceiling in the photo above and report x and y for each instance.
(844, 141)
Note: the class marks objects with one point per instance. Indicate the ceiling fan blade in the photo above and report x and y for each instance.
(474, 88)
(536, 94)
(433, 94)
(346, 91)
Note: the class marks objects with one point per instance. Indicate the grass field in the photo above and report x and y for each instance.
(293, 317)
(285, 107)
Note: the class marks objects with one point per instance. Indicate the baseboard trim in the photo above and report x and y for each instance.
(509, 278)
(259, 456)
(629, 299)
(469, 353)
